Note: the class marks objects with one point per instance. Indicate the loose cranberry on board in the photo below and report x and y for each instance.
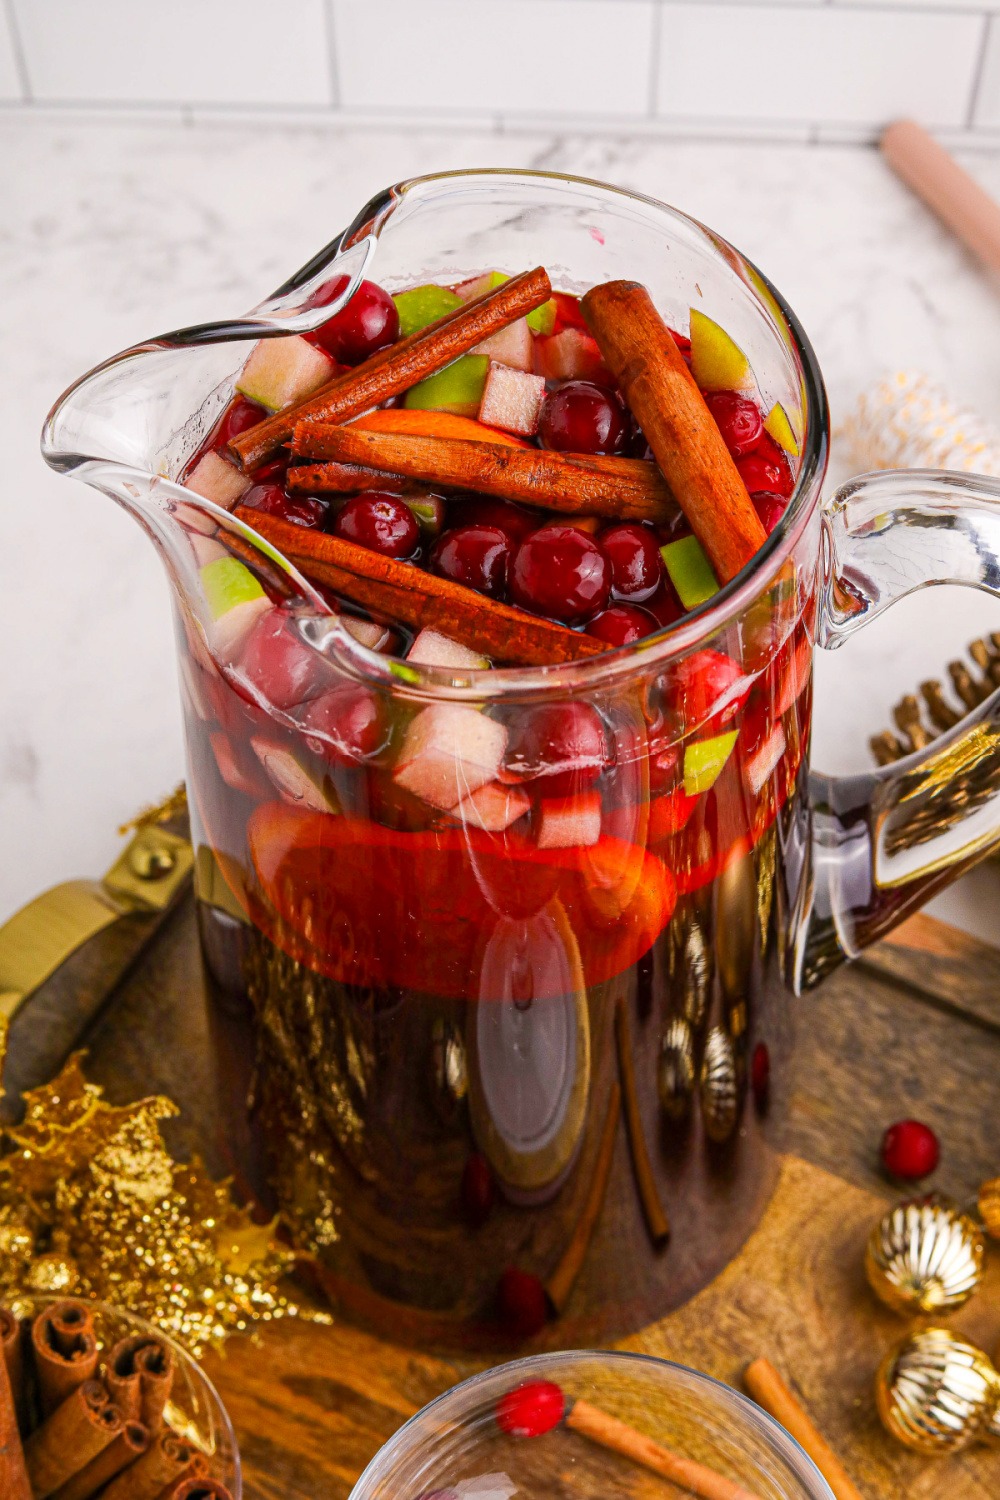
(521, 1303)
(382, 523)
(910, 1150)
(760, 1075)
(531, 1409)
(367, 323)
(478, 1189)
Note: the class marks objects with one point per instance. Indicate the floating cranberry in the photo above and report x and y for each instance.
(683, 343)
(514, 520)
(562, 746)
(580, 417)
(561, 572)
(531, 1409)
(622, 624)
(273, 472)
(769, 507)
(275, 662)
(367, 323)
(910, 1150)
(478, 556)
(665, 607)
(766, 469)
(380, 522)
(347, 724)
(707, 687)
(240, 415)
(737, 418)
(301, 510)
(760, 1075)
(521, 1303)
(478, 1189)
(636, 565)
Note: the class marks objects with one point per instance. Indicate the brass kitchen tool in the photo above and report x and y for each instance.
(920, 719)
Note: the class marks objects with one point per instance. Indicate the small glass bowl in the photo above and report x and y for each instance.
(194, 1410)
(454, 1449)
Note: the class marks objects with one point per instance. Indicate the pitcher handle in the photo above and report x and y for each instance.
(873, 847)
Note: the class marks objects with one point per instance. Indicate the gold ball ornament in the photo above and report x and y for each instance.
(925, 1255)
(938, 1393)
(718, 1086)
(989, 1206)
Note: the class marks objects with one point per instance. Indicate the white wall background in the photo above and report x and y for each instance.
(833, 70)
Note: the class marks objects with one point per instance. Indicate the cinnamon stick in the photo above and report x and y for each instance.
(14, 1481)
(130, 1444)
(660, 390)
(166, 1461)
(400, 366)
(409, 596)
(198, 1489)
(768, 1389)
(656, 1218)
(627, 489)
(76, 1432)
(335, 479)
(65, 1351)
(139, 1377)
(12, 1344)
(608, 1432)
(560, 1283)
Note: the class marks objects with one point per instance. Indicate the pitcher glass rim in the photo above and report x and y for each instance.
(693, 629)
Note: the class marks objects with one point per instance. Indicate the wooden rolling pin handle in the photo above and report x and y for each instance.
(957, 199)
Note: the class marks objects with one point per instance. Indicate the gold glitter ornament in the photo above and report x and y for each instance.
(925, 1255)
(938, 1393)
(989, 1206)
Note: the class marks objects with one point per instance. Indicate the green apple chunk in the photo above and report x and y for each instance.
(704, 759)
(457, 388)
(226, 582)
(717, 361)
(423, 305)
(542, 319)
(281, 371)
(689, 571)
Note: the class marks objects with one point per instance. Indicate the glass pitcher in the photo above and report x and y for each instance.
(498, 1088)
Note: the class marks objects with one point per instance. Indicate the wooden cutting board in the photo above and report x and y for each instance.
(913, 1028)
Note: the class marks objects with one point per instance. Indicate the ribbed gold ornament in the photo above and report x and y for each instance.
(675, 1074)
(925, 1255)
(938, 1393)
(718, 1088)
(989, 1206)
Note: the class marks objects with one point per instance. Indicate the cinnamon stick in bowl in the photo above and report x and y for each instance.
(130, 1444)
(64, 1347)
(661, 393)
(139, 1376)
(14, 1481)
(76, 1432)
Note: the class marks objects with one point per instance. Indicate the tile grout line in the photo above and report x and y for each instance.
(17, 47)
(977, 73)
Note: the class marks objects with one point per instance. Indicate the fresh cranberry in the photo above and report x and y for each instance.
(478, 556)
(521, 1303)
(273, 472)
(277, 663)
(622, 624)
(478, 1189)
(665, 607)
(238, 416)
(561, 746)
(737, 418)
(515, 520)
(766, 471)
(683, 343)
(367, 323)
(760, 1075)
(910, 1150)
(380, 522)
(580, 417)
(769, 507)
(531, 1409)
(301, 510)
(346, 722)
(636, 565)
(697, 685)
(561, 572)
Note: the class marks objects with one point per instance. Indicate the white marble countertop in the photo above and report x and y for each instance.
(115, 230)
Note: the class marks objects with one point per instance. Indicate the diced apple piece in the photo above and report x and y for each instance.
(230, 769)
(542, 320)
(206, 549)
(570, 355)
(778, 424)
(428, 512)
(367, 632)
(281, 371)
(448, 752)
(297, 786)
(761, 765)
(479, 285)
(432, 649)
(512, 400)
(704, 760)
(457, 388)
(493, 807)
(569, 822)
(215, 478)
(717, 363)
(235, 602)
(191, 677)
(511, 346)
(689, 571)
(423, 305)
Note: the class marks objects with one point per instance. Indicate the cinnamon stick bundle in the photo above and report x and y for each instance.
(130, 1444)
(76, 1432)
(399, 367)
(164, 1464)
(139, 1376)
(626, 489)
(14, 1481)
(198, 1489)
(660, 390)
(65, 1351)
(406, 594)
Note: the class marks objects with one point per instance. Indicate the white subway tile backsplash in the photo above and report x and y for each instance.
(832, 64)
(10, 80)
(987, 114)
(551, 56)
(184, 51)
